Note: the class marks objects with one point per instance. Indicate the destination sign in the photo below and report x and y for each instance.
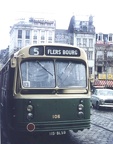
(54, 51)
(62, 51)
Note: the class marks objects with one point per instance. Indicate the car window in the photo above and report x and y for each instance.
(105, 92)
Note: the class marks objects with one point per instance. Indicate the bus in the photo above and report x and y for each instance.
(45, 88)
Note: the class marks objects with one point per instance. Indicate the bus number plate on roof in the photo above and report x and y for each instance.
(36, 50)
(54, 51)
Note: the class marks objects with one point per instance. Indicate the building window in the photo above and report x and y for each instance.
(78, 41)
(105, 38)
(42, 35)
(19, 33)
(49, 41)
(90, 70)
(100, 37)
(99, 69)
(42, 41)
(27, 34)
(96, 37)
(110, 37)
(84, 42)
(90, 55)
(35, 34)
(90, 42)
(27, 42)
(19, 43)
(49, 38)
(34, 37)
(34, 42)
(50, 35)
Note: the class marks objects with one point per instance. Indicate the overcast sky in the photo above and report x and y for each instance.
(60, 10)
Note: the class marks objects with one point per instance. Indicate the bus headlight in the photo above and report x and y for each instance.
(29, 116)
(81, 101)
(29, 108)
(81, 114)
(80, 107)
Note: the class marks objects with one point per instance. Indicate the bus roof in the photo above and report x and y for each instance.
(65, 46)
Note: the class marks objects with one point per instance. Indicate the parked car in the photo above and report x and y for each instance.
(102, 98)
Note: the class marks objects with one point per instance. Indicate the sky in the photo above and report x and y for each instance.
(59, 10)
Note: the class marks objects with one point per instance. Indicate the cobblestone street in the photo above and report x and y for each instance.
(101, 131)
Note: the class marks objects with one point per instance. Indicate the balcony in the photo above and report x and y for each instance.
(99, 61)
(100, 58)
(110, 58)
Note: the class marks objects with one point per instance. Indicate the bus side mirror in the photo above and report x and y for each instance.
(13, 62)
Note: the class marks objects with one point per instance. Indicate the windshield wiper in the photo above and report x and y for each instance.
(64, 70)
(67, 74)
(67, 67)
(44, 68)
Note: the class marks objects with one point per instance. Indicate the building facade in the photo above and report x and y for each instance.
(31, 31)
(64, 37)
(104, 60)
(35, 31)
(4, 55)
(84, 37)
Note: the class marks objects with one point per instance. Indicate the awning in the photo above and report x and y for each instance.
(107, 83)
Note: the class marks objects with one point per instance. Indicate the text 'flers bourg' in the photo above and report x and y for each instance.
(62, 52)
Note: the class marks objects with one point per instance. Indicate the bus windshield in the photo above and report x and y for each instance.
(70, 74)
(49, 74)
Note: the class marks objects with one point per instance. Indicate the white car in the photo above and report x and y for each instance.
(102, 98)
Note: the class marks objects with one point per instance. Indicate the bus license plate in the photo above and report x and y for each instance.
(57, 133)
